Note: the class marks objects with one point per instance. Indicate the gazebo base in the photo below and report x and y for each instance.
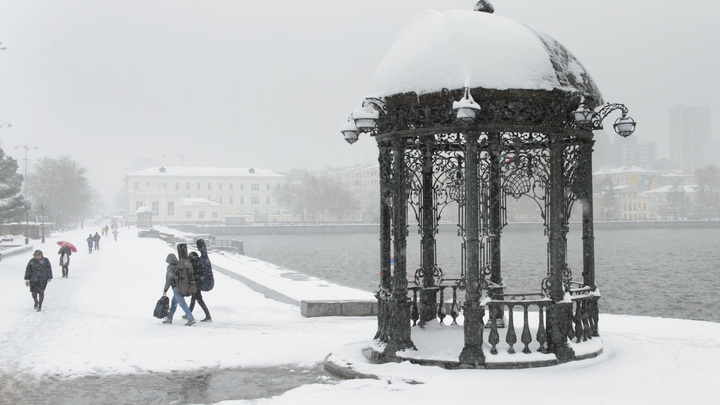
(440, 345)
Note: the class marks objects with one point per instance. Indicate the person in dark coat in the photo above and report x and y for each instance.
(90, 241)
(37, 274)
(65, 253)
(96, 238)
(171, 282)
(195, 261)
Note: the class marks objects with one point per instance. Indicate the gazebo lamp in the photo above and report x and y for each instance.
(624, 126)
(349, 131)
(587, 118)
(365, 118)
(583, 114)
(466, 109)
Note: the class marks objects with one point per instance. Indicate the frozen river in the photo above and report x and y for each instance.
(668, 273)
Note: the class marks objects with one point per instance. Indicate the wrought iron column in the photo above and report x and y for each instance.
(495, 222)
(472, 352)
(399, 305)
(383, 293)
(588, 236)
(428, 292)
(558, 319)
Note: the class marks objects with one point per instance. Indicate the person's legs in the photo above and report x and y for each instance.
(41, 297)
(181, 301)
(173, 307)
(204, 307)
(34, 295)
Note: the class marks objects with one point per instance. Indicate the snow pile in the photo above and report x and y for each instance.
(456, 48)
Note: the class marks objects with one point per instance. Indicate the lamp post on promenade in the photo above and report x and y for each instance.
(25, 184)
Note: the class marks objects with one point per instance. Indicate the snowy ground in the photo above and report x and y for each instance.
(99, 322)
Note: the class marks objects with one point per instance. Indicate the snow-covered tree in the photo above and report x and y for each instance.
(12, 207)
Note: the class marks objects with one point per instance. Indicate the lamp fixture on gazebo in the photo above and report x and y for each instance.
(466, 108)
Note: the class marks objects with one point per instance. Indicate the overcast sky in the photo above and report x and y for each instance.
(259, 83)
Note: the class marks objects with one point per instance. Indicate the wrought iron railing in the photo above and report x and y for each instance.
(502, 311)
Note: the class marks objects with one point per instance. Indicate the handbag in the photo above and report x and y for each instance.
(161, 308)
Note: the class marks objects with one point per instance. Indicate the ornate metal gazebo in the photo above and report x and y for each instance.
(511, 116)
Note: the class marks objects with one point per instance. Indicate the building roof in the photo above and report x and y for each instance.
(625, 170)
(205, 172)
(455, 49)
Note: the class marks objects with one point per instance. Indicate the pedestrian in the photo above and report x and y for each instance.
(65, 253)
(195, 261)
(171, 281)
(96, 238)
(90, 241)
(115, 232)
(37, 274)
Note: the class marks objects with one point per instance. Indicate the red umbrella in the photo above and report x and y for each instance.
(68, 244)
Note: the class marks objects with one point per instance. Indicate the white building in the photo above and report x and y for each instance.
(203, 194)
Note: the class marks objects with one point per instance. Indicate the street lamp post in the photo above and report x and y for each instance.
(27, 203)
(42, 219)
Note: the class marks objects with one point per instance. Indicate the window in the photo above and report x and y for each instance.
(188, 214)
(138, 204)
(219, 200)
(231, 201)
(198, 186)
(155, 208)
(187, 186)
(219, 186)
(242, 186)
(214, 214)
(136, 186)
(267, 200)
(209, 186)
(255, 187)
(162, 185)
(242, 200)
(177, 186)
(267, 186)
(231, 186)
(171, 209)
(201, 214)
(255, 200)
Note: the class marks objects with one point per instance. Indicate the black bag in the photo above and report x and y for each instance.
(162, 307)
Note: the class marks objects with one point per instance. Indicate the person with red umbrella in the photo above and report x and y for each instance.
(65, 252)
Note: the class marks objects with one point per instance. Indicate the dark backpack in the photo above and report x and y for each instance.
(186, 284)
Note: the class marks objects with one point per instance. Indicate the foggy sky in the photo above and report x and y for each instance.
(259, 83)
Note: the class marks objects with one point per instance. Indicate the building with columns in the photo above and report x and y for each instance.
(203, 195)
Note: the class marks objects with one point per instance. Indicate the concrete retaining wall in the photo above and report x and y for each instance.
(311, 309)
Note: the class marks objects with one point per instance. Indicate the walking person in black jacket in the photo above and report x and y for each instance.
(37, 274)
(194, 260)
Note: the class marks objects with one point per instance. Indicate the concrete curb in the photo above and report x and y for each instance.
(317, 308)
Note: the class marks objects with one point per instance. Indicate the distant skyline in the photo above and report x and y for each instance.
(267, 84)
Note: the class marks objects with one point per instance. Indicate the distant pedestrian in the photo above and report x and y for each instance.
(115, 232)
(37, 274)
(65, 253)
(90, 241)
(96, 238)
(197, 296)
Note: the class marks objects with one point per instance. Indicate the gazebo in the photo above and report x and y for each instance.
(474, 108)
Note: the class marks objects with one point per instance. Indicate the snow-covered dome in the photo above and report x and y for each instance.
(457, 49)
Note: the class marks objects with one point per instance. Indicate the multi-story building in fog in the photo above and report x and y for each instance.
(639, 154)
(690, 137)
(203, 194)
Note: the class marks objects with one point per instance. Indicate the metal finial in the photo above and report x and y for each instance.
(484, 6)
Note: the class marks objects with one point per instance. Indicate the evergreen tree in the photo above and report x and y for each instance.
(611, 207)
(12, 203)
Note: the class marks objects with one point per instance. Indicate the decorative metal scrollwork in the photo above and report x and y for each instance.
(438, 276)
